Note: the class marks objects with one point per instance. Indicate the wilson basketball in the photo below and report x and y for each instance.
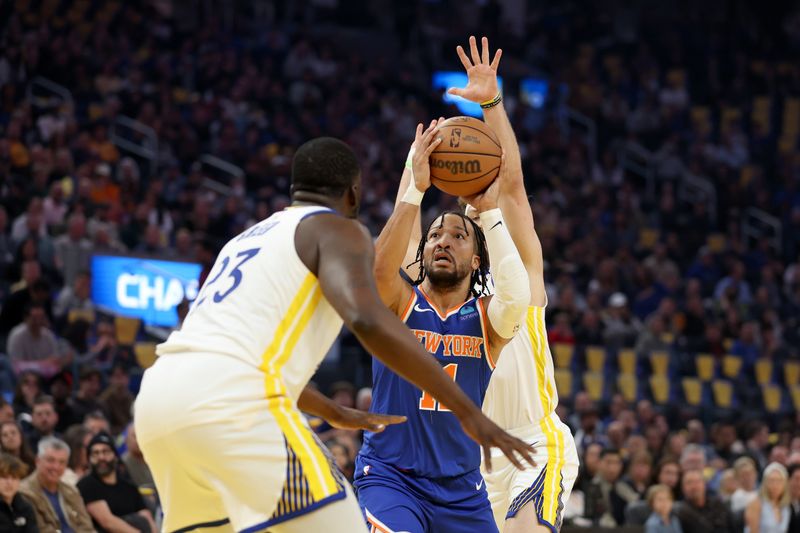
(467, 159)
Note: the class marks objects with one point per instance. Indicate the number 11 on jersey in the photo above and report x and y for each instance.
(428, 402)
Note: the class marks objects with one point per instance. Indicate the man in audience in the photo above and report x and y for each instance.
(85, 400)
(700, 512)
(44, 420)
(113, 502)
(58, 506)
(607, 495)
(32, 345)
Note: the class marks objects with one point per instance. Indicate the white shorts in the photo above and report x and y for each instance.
(221, 453)
(548, 485)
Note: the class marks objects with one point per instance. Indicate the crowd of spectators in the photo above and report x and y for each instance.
(634, 259)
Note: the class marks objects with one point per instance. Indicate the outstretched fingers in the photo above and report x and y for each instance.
(462, 55)
(496, 61)
(473, 50)
(485, 51)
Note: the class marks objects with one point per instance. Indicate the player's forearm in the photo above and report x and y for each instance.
(315, 403)
(388, 339)
(511, 284)
(497, 119)
(392, 243)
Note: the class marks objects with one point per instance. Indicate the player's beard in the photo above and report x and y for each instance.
(446, 278)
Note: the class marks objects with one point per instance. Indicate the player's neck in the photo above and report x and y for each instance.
(303, 198)
(445, 298)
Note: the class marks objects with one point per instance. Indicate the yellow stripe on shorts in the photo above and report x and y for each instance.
(551, 491)
(315, 465)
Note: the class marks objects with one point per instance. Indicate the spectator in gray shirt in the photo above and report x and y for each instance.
(32, 346)
(73, 250)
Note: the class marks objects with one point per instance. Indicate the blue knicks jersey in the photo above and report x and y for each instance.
(431, 443)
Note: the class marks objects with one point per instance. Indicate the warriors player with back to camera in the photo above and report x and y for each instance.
(424, 476)
(217, 415)
(522, 395)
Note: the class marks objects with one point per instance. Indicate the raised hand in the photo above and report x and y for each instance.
(425, 142)
(482, 74)
(488, 198)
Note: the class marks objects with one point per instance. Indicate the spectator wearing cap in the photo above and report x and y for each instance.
(620, 327)
(103, 190)
(61, 391)
(114, 503)
(769, 513)
(16, 513)
(32, 345)
(57, 505)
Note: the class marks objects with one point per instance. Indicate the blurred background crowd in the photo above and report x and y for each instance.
(662, 164)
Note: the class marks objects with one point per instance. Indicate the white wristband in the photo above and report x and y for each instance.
(413, 195)
(409, 159)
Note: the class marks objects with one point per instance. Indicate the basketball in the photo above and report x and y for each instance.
(467, 159)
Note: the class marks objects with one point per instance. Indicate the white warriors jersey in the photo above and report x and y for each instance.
(260, 304)
(522, 390)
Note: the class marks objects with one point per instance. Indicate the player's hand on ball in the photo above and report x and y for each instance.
(487, 199)
(489, 435)
(425, 142)
(347, 418)
(482, 74)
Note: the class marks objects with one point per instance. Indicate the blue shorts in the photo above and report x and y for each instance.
(396, 501)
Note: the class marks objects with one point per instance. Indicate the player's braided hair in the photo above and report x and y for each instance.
(478, 278)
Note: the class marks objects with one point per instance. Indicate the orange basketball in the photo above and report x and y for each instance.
(467, 159)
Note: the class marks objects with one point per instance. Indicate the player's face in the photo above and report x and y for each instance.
(449, 254)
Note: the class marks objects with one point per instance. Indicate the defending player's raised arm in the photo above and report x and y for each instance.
(342, 258)
(393, 242)
(506, 308)
(483, 89)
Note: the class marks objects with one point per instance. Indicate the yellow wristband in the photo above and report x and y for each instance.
(493, 102)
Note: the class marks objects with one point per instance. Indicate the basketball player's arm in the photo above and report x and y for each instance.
(506, 308)
(313, 402)
(513, 200)
(392, 244)
(409, 266)
(340, 252)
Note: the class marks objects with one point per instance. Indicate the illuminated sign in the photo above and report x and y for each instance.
(149, 289)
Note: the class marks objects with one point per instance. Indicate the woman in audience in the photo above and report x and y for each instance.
(769, 513)
(16, 513)
(668, 472)
(29, 386)
(13, 443)
(77, 437)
